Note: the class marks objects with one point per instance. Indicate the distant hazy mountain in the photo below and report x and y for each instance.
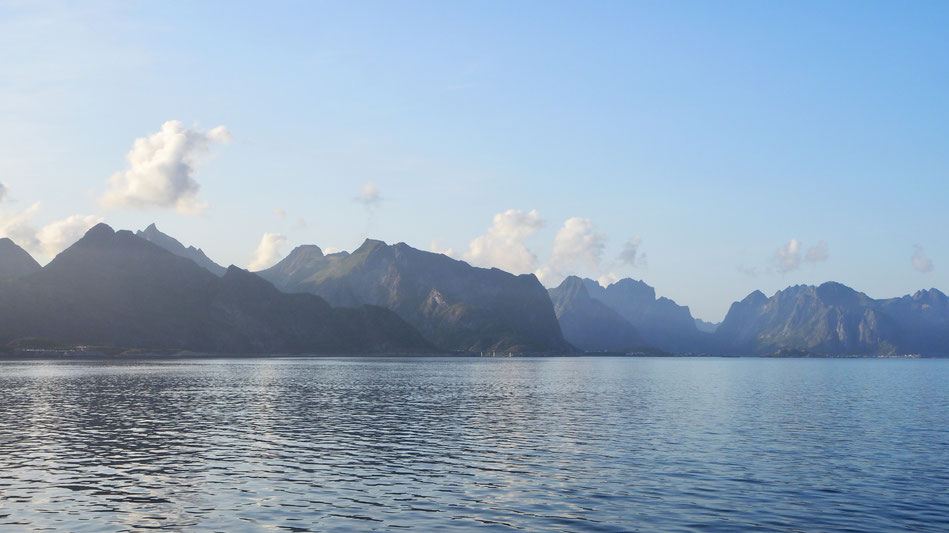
(706, 327)
(454, 305)
(152, 234)
(661, 322)
(833, 319)
(15, 261)
(589, 324)
(115, 289)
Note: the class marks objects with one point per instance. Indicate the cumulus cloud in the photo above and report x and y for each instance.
(607, 279)
(280, 213)
(48, 240)
(790, 256)
(3, 191)
(161, 169)
(817, 253)
(920, 261)
(578, 244)
(18, 227)
(268, 252)
(437, 248)
(57, 236)
(503, 246)
(369, 195)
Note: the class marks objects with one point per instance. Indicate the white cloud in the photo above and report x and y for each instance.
(578, 244)
(161, 169)
(18, 227)
(280, 213)
(369, 195)
(817, 253)
(788, 257)
(50, 239)
(607, 279)
(57, 236)
(3, 191)
(503, 245)
(920, 261)
(437, 248)
(268, 252)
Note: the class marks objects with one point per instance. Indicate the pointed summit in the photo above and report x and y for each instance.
(15, 261)
(155, 236)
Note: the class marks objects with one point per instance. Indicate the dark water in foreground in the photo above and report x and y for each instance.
(534, 444)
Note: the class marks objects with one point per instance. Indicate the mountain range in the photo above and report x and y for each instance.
(116, 291)
(454, 305)
(123, 291)
(590, 324)
(833, 319)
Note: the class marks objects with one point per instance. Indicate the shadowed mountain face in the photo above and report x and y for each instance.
(589, 324)
(454, 305)
(114, 289)
(661, 322)
(833, 319)
(153, 235)
(15, 261)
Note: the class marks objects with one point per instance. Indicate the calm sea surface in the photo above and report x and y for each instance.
(578, 444)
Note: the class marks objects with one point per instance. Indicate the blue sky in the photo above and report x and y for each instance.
(707, 134)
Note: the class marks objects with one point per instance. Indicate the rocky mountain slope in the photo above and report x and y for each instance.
(114, 289)
(454, 305)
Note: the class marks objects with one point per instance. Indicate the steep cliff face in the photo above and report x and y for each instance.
(454, 305)
(589, 324)
(661, 322)
(115, 289)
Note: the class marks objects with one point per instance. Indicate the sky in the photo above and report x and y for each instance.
(707, 148)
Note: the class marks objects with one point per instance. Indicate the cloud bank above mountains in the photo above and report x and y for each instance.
(162, 174)
(578, 246)
(47, 240)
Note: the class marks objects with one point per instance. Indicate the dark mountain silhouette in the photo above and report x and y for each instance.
(833, 319)
(661, 322)
(454, 305)
(153, 235)
(114, 289)
(589, 324)
(15, 261)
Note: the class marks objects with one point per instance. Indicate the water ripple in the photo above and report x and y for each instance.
(515, 444)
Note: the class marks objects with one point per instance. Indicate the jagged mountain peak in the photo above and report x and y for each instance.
(169, 243)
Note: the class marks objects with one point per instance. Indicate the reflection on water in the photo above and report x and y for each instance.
(535, 444)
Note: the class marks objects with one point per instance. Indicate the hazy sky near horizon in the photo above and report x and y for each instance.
(708, 148)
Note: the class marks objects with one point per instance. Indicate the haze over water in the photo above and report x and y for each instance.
(597, 444)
